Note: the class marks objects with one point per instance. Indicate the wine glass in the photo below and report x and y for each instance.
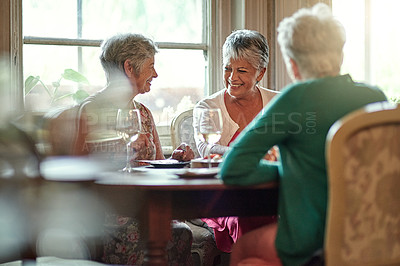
(128, 127)
(209, 128)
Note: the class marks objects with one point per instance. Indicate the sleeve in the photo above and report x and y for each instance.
(243, 164)
(209, 104)
(201, 145)
(156, 138)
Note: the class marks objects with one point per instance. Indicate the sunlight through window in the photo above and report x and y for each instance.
(182, 70)
(371, 52)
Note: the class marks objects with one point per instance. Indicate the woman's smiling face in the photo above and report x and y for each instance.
(143, 80)
(241, 77)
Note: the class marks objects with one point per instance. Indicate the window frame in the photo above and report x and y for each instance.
(79, 42)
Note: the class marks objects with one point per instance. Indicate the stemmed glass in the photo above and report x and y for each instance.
(128, 126)
(209, 128)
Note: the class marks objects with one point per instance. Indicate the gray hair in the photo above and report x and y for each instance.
(314, 39)
(246, 44)
(117, 49)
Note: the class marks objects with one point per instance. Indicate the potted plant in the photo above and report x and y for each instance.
(53, 91)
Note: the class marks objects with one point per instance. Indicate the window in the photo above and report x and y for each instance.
(38, 34)
(44, 37)
(371, 52)
(66, 34)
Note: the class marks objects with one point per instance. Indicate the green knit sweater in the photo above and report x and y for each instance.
(297, 121)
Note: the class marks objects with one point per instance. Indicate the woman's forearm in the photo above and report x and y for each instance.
(219, 149)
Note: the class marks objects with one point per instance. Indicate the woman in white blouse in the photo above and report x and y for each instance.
(245, 59)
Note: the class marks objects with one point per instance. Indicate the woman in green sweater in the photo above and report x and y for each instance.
(297, 121)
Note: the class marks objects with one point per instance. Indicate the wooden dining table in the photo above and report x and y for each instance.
(156, 196)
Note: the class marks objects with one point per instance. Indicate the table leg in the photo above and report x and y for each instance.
(158, 226)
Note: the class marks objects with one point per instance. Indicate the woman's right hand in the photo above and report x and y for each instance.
(183, 153)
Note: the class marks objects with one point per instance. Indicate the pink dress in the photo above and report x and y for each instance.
(227, 230)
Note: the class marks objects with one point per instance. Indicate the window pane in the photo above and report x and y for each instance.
(354, 48)
(385, 43)
(382, 45)
(179, 85)
(182, 73)
(49, 18)
(162, 20)
(49, 62)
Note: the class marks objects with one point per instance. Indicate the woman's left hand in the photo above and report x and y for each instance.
(183, 153)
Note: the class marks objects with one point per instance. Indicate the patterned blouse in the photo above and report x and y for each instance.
(122, 242)
(101, 137)
(147, 146)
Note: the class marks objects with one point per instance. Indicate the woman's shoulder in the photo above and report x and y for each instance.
(148, 123)
(268, 91)
(140, 106)
(99, 100)
(268, 94)
(143, 109)
(212, 101)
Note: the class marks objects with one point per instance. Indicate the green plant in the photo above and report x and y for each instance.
(394, 100)
(69, 74)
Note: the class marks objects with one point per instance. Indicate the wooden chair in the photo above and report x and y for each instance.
(363, 159)
(182, 131)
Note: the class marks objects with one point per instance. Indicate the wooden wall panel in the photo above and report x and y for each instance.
(11, 51)
(260, 16)
(4, 28)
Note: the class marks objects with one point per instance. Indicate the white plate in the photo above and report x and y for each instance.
(198, 173)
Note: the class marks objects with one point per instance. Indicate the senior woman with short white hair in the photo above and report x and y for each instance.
(128, 61)
(245, 61)
(311, 42)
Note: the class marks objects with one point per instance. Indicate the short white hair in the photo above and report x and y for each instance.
(246, 44)
(314, 39)
(120, 47)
